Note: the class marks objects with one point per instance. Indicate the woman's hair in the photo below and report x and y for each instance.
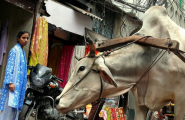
(20, 33)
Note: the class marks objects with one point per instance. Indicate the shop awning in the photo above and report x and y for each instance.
(85, 12)
(66, 18)
(28, 5)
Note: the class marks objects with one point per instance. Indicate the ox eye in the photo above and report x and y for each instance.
(81, 68)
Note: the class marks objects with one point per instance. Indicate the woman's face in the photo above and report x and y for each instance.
(23, 40)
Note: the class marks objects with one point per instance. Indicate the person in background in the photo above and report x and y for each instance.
(14, 85)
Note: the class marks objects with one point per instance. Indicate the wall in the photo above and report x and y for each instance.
(19, 19)
(175, 13)
(124, 26)
(70, 20)
(115, 23)
(105, 27)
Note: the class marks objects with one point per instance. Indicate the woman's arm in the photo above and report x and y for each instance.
(10, 69)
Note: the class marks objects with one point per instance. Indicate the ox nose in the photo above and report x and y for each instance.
(57, 101)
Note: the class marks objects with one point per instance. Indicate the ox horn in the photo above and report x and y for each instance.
(92, 46)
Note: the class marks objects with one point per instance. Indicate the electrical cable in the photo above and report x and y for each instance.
(130, 23)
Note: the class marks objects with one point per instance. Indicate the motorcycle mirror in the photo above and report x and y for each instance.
(29, 67)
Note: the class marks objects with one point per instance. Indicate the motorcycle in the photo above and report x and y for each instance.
(40, 97)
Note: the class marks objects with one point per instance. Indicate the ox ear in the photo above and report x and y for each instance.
(106, 75)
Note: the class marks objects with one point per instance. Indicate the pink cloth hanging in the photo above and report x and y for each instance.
(64, 65)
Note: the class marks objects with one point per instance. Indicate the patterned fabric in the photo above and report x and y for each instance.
(87, 49)
(16, 72)
(9, 113)
(79, 52)
(64, 65)
(39, 43)
(104, 114)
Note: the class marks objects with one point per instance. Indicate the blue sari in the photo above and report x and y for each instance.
(16, 72)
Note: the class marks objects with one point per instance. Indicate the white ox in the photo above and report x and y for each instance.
(124, 67)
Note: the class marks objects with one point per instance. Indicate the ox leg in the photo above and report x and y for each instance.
(179, 107)
(140, 112)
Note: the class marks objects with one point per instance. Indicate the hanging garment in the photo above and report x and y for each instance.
(108, 111)
(64, 65)
(113, 113)
(104, 114)
(87, 49)
(3, 42)
(79, 52)
(39, 43)
(16, 72)
(54, 59)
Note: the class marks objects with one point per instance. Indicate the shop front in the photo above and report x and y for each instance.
(61, 35)
(62, 39)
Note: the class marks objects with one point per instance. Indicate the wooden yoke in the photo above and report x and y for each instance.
(166, 44)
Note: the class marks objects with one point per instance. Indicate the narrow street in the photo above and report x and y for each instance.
(92, 59)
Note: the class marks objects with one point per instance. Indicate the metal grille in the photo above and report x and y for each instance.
(104, 27)
(28, 5)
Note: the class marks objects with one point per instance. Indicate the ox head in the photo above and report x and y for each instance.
(87, 74)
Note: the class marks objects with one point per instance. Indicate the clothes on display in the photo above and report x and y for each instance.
(79, 52)
(3, 41)
(54, 59)
(107, 110)
(64, 64)
(88, 109)
(114, 113)
(103, 114)
(39, 43)
(87, 49)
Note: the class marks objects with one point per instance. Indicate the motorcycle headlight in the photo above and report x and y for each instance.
(37, 81)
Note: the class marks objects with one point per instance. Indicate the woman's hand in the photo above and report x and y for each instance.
(12, 87)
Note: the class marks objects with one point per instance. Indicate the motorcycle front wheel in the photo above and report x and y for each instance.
(25, 112)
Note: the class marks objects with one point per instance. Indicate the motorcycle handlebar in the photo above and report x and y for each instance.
(52, 77)
(30, 67)
(56, 78)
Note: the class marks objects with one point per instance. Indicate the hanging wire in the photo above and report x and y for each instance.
(142, 5)
(129, 23)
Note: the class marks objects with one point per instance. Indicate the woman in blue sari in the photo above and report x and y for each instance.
(14, 85)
